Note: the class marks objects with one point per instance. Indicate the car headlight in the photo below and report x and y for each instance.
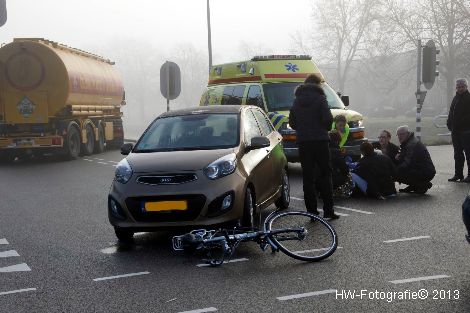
(221, 167)
(360, 123)
(123, 172)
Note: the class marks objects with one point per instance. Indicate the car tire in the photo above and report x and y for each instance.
(124, 235)
(250, 216)
(284, 200)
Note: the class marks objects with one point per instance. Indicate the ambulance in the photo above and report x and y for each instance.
(269, 82)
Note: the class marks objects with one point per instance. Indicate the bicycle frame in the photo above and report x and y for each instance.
(229, 242)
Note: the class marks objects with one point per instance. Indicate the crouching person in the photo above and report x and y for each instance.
(414, 165)
(341, 177)
(375, 173)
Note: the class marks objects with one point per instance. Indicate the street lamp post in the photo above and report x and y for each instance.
(209, 41)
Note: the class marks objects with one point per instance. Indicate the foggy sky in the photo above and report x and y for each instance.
(164, 24)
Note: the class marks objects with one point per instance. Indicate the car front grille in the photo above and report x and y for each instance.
(195, 204)
(168, 179)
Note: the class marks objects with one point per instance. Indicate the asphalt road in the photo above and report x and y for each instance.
(58, 252)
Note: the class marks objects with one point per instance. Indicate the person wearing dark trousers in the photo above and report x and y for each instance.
(311, 118)
(458, 122)
(415, 167)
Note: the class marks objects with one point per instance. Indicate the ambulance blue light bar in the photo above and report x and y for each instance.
(280, 57)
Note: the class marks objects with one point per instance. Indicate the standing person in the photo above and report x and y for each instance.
(415, 167)
(341, 125)
(384, 145)
(311, 118)
(458, 122)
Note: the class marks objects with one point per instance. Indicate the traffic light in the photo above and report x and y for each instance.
(430, 63)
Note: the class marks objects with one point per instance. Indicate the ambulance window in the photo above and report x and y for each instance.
(255, 97)
(233, 94)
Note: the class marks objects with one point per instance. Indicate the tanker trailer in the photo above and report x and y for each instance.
(54, 98)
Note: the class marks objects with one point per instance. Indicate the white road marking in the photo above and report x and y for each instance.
(300, 199)
(410, 280)
(225, 262)
(121, 276)
(99, 159)
(315, 250)
(16, 291)
(407, 239)
(102, 163)
(23, 267)
(201, 310)
(308, 294)
(88, 160)
(353, 210)
(3, 241)
(338, 213)
(10, 253)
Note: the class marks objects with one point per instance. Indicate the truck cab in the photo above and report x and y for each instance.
(269, 82)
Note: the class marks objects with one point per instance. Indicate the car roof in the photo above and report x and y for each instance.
(211, 109)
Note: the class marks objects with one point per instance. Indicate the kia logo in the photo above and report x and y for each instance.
(166, 180)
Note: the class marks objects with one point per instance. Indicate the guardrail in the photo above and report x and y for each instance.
(437, 125)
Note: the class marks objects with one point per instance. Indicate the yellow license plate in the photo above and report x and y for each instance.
(160, 206)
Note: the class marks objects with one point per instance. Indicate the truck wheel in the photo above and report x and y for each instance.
(99, 146)
(72, 143)
(89, 146)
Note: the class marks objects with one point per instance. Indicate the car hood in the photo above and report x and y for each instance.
(349, 114)
(174, 161)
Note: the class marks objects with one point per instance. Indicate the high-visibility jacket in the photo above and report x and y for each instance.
(344, 135)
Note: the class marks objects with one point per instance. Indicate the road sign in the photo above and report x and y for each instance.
(170, 80)
(3, 12)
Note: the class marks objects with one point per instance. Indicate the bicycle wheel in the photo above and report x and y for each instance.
(302, 235)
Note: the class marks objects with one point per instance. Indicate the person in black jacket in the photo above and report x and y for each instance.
(384, 145)
(415, 167)
(311, 118)
(377, 170)
(458, 122)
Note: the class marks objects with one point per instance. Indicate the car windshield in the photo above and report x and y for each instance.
(280, 96)
(191, 132)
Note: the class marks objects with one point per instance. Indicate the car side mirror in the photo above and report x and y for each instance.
(126, 148)
(258, 143)
(345, 100)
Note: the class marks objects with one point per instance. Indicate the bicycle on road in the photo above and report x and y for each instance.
(299, 234)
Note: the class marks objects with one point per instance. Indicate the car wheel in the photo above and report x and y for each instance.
(250, 216)
(124, 235)
(284, 200)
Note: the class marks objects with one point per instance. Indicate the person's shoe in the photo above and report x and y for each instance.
(466, 180)
(423, 188)
(456, 178)
(408, 189)
(332, 216)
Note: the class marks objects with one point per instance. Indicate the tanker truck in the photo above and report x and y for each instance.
(57, 99)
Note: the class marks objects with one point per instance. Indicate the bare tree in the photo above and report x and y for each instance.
(447, 22)
(341, 32)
